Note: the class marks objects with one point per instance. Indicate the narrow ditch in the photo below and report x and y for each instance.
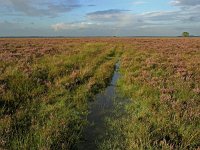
(99, 109)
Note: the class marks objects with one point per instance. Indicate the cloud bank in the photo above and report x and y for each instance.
(119, 21)
(186, 2)
(96, 21)
(39, 8)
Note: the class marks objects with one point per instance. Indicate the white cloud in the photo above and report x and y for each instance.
(71, 26)
(139, 2)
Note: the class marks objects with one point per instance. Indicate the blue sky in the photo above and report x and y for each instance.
(99, 17)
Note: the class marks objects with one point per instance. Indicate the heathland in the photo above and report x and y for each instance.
(46, 86)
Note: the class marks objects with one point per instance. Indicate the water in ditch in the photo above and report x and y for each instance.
(99, 109)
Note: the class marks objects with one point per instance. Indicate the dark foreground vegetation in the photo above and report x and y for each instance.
(46, 85)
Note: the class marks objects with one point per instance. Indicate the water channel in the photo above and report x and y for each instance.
(100, 108)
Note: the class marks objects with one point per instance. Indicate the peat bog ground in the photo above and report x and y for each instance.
(61, 93)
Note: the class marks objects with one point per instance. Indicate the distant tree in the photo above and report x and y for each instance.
(185, 34)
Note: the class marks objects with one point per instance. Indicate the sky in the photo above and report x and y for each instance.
(99, 17)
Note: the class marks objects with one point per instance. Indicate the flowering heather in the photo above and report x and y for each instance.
(46, 86)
